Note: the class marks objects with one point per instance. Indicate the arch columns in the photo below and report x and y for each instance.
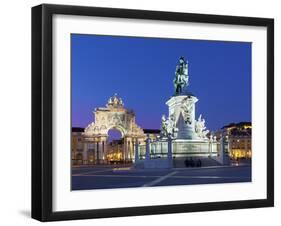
(103, 150)
(125, 149)
(128, 148)
(136, 150)
(98, 150)
(85, 152)
(132, 149)
(98, 144)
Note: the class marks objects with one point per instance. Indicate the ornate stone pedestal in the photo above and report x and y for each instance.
(182, 111)
(184, 131)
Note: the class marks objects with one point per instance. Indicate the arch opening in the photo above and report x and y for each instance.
(115, 146)
(114, 134)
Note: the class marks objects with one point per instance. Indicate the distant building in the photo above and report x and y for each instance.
(152, 133)
(77, 146)
(240, 139)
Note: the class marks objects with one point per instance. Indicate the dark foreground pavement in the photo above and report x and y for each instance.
(102, 177)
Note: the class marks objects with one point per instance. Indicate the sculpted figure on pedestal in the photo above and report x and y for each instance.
(200, 127)
(168, 126)
(187, 108)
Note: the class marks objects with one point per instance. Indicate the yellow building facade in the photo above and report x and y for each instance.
(240, 140)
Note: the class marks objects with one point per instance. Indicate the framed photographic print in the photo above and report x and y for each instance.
(145, 112)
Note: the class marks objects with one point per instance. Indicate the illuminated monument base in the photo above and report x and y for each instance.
(182, 137)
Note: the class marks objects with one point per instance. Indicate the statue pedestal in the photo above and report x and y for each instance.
(185, 131)
(182, 110)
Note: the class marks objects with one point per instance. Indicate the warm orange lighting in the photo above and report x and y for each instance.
(240, 153)
(114, 156)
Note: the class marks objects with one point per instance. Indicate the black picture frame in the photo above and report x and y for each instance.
(42, 111)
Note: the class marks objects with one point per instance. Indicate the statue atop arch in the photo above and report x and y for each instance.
(115, 102)
(181, 76)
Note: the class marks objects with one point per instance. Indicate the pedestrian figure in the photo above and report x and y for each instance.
(191, 162)
(186, 162)
(199, 163)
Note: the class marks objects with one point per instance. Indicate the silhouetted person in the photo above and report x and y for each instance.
(199, 163)
(191, 162)
(186, 162)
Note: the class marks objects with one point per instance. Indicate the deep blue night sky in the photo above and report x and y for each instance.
(141, 72)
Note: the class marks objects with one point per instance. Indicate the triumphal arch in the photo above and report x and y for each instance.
(113, 116)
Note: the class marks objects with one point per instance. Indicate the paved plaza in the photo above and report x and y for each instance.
(125, 176)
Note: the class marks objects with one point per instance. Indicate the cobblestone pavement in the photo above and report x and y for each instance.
(102, 177)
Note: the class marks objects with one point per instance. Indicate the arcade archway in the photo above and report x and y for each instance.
(114, 135)
(115, 144)
(113, 116)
